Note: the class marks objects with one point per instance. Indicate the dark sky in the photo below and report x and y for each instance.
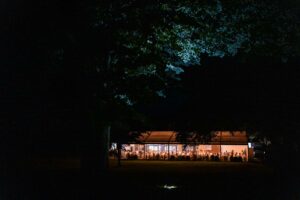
(229, 93)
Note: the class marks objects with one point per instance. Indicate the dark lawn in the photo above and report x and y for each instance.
(196, 180)
(151, 180)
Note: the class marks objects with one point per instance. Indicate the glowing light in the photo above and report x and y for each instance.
(169, 187)
(113, 146)
(249, 145)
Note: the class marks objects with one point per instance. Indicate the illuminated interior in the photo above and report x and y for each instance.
(162, 145)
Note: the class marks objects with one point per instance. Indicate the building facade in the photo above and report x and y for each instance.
(165, 145)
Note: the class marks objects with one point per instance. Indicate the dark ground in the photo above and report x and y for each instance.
(150, 180)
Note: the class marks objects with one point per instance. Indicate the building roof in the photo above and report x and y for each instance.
(158, 137)
(230, 137)
(217, 137)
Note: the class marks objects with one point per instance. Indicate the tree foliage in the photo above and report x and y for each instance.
(124, 52)
(145, 44)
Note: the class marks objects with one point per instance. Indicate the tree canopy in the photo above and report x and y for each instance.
(151, 42)
(118, 53)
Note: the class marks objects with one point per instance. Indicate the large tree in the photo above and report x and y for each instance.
(148, 43)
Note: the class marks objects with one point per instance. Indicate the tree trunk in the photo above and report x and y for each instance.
(104, 147)
(95, 153)
(119, 148)
(95, 159)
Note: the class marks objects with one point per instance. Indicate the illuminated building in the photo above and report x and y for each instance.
(166, 145)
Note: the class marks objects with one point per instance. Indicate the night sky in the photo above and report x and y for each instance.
(234, 95)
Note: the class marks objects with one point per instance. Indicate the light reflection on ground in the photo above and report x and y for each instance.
(168, 187)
